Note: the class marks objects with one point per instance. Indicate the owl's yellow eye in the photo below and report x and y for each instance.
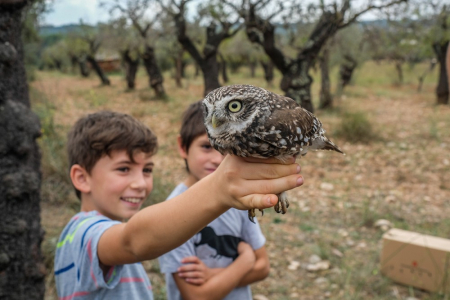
(235, 106)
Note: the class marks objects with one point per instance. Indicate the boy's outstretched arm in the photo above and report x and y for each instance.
(221, 283)
(160, 228)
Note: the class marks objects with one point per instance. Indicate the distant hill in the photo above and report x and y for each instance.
(64, 29)
(58, 30)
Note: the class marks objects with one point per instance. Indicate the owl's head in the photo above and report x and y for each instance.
(231, 109)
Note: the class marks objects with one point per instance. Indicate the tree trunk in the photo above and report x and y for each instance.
(73, 63)
(210, 69)
(326, 100)
(223, 68)
(345, 73)
(131, 67)
(442, 89)
(154, 74)
(104, 79)
(399, 69)
(252, 66)
(422, 77)
(22, 271)
(296, 83)
(84, 68)
(197, 70)
(179, 68)
(183, 68)
(268, 72)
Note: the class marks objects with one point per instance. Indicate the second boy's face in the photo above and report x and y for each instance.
(201, 158)
(118, 186)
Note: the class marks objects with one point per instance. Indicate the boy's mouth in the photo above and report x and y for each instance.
(131, 200)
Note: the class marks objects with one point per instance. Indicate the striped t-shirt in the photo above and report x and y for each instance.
(77, 270)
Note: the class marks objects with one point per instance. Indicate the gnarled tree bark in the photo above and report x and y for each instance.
(104, 79)
(296, 81)
(207, 60)
(131, 67)
(22, 271)
(326, 99)
(442, 89)
(268, 72)
(345, 73)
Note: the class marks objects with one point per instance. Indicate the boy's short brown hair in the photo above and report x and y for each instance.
(192, 125)
(100, 133)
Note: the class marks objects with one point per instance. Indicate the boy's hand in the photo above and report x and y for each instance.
(252, 182)
(246, 251)
(195, 271)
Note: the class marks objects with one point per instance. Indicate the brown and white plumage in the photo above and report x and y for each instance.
(249, 121)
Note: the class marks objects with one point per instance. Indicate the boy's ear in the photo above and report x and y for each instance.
(80, 178)
(182, 151)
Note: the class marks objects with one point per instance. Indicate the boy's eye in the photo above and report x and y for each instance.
(123, 169)
(207, 147)
(148, 170)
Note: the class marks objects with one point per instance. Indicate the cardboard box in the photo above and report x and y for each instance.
(417, 260)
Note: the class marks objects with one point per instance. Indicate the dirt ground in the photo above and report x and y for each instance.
(402, 175)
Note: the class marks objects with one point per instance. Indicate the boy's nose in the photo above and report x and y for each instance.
(217, 158)
(138, 182)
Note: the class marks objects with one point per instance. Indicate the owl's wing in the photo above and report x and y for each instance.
(289, 127)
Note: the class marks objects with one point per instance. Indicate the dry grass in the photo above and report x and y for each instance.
(402, 176)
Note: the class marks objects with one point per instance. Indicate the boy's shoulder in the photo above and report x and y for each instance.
(78, 226)
(179, 189)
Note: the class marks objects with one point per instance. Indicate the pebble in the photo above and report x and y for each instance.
(313, 259)
(383, 224)
(260, 297)
(321, 282)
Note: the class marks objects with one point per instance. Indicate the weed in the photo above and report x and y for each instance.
(355, 127)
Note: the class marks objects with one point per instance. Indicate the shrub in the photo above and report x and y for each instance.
(355, 127)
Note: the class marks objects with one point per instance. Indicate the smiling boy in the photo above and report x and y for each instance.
(228, 254)
(99, 252)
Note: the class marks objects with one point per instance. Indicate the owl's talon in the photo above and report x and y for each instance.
(282, 204)
(251, 215)
(277, 206)
(262, 212)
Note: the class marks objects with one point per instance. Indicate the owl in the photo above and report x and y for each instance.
(249, 121)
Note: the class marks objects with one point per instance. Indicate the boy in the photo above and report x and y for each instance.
(225, 257)
(110, 155)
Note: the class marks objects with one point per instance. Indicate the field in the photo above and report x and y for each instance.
(400, 172)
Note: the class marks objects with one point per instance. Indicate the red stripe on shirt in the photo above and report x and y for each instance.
(131, 279)
(77, 294)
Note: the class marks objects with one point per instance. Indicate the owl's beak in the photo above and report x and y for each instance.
(216, 122)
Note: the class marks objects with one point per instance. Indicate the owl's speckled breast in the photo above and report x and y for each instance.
(249, 144)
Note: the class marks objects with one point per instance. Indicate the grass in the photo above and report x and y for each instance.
(400, 175)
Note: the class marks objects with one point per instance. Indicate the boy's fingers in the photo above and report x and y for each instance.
(269, 171)
(190, 274)
(189, 259)
(261, 194)
(271, 160)
(259, 201)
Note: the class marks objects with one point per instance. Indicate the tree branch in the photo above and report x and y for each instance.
(370, 7)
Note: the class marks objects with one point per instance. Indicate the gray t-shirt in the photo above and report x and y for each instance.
(77, 269)
(215, 245)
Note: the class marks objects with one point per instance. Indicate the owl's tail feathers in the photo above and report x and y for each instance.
(329, 145)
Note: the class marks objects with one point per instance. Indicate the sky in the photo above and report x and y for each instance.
(71, 11)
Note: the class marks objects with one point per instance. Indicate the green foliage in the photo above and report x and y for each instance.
(355, 127)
